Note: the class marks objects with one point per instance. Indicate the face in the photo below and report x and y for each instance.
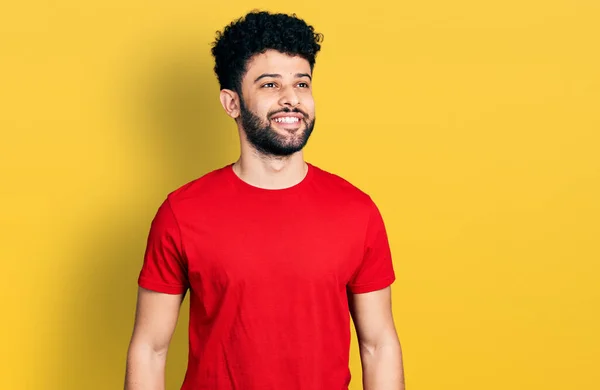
(277, 110)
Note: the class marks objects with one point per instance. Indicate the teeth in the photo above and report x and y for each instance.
(287, 119)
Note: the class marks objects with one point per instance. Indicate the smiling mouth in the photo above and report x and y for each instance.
(287, 119)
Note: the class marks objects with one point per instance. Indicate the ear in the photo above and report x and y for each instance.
(230, 102)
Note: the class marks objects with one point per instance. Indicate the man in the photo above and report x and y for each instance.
(278, 255)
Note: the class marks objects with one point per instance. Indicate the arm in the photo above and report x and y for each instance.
(155, 321)
(380, 351)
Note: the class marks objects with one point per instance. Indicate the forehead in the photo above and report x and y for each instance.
(276, 62)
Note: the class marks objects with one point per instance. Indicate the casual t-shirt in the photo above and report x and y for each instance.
(268, 272)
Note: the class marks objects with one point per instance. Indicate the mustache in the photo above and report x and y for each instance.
(296, 110)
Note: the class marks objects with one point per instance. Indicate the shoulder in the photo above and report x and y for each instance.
(205, 189)
(341, 188)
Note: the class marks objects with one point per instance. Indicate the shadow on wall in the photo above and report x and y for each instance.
(186, 134)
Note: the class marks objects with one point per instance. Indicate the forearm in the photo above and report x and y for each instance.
(382, 367)
(145, 368)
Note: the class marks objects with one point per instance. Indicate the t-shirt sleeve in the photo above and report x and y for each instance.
(165, 267)
(376, 271)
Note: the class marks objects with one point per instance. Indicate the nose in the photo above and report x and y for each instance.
(289, 97)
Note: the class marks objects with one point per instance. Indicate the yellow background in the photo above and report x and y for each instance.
(474, 125)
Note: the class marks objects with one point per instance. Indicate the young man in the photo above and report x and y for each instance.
(277, 254)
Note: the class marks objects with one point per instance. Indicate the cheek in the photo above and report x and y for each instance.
(261, 110)
(266, 106)
(309, 103)
(310, 106)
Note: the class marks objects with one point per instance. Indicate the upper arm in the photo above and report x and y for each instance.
(369, 290)
(375, 270)
(156, 318)
(162, 282)
(373, 318)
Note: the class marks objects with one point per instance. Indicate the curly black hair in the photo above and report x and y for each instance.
(255, 33)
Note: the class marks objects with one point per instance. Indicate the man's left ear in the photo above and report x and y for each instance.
(230, 102)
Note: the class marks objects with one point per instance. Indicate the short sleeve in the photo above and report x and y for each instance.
(164, 268)
(376, 271)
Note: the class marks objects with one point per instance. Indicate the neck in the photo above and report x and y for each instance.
(270, 172)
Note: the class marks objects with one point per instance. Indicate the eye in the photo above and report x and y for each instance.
(303, 85)
(269, 85)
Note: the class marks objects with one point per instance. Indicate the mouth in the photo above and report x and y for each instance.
(290, 122)
(287, 119)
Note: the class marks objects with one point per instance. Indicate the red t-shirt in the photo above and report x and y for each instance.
(268, 273)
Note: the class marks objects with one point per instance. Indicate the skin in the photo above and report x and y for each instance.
(380, 350)
(271, 94)
(287, 86)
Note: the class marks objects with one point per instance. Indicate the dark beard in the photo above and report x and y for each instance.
(266, 140)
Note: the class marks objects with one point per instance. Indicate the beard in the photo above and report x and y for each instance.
(266, 140)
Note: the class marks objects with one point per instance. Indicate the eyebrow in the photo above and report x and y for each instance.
(278, 76)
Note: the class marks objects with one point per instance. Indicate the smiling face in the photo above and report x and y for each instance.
(277, 110)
